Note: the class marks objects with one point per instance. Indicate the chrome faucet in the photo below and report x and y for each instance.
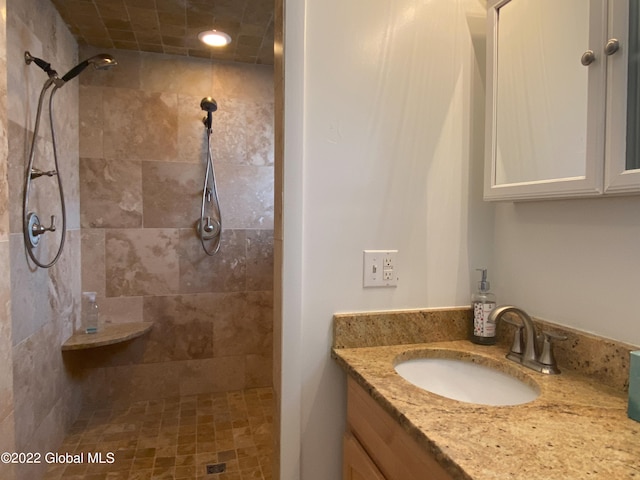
(530, 356)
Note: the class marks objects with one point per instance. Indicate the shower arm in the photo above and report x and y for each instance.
(46, 66)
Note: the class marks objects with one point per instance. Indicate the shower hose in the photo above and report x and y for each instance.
(29, 227)
(208, 228)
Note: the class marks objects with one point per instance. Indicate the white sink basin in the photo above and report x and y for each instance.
(466, 381)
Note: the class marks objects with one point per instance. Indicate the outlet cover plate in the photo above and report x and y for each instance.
(380, 268)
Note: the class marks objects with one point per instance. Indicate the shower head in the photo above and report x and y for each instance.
(209, 105)
(102, 61)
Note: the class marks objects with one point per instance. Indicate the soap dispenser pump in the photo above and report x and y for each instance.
(483, 301)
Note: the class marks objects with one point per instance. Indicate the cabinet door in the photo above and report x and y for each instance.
(545, 99)
(622, 155)
(356, 463)
(390, 447)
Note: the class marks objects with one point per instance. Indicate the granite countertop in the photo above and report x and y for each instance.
(576, 429)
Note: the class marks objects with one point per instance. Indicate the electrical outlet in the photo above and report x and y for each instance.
(380, 268)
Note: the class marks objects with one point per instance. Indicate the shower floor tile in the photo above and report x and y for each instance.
(228, 434)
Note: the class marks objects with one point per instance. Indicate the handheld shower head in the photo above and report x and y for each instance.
(209, 105)
(102, 61)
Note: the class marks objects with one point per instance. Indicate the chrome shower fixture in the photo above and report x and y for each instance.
(36, 173)
(32, 229)
(102, 61)
(209, 105)
(46, 66)
(36, 228)
(209, 227)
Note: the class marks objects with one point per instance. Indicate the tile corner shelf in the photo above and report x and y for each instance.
(107, 335)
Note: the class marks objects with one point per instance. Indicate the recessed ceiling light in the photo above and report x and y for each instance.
(214, 38)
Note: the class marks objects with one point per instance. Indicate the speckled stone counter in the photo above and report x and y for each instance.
(576, 429)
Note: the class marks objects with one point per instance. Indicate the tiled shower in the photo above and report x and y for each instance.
(141, 171)
(131, 142)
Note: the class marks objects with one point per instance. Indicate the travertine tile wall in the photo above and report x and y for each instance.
(278, 74)
(7, 432)
(142, 152)
(43, 303)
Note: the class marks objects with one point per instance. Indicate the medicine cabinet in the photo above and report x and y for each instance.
(563, 99)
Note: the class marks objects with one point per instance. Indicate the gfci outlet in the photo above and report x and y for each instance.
(380, 268)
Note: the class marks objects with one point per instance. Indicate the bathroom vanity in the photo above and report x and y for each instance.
(576, 428)
(371, 429)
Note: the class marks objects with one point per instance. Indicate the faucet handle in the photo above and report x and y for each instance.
(547, 357)
(517, 346)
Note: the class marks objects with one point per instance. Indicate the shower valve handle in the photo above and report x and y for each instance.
(52, 228)
(39, 229)
(208, 227)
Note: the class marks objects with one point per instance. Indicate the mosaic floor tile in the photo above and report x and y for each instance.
(175, 438)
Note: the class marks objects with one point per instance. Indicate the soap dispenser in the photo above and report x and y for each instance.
(483, 301)
(89, 312)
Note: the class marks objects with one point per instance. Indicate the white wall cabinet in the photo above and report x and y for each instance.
(563, 112)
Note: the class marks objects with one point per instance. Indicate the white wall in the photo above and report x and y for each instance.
(388, 98)
(384, 150)
(573, 262)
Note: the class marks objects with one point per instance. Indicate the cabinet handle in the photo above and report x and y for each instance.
(588, 58)
(612, 46)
